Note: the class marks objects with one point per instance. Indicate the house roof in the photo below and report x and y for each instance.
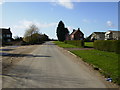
(108, 32)
(5, 31)
(75, 31)
(115, 31)
(99, 32)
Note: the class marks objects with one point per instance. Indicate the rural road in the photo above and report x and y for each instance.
(48, 67)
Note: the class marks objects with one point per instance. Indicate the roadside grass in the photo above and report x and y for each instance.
(89, 44)
(106, 61)
(62, 44)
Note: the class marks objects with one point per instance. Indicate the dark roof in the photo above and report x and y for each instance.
(5, 31)
(75, 31)
(99, 32)
(114, 31)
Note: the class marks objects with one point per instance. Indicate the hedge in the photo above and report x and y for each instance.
(79, 43)
(107, 45)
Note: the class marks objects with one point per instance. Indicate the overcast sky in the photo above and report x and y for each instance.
(88, 16)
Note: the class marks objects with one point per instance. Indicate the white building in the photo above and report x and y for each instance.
(112, 35)
(98, 36)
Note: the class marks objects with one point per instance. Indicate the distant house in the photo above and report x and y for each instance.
(97, 36)
(5, 35)
(112, 35)
(76, 35)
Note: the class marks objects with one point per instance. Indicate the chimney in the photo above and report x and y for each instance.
(9, 28)
(78, 28)
(73, 30)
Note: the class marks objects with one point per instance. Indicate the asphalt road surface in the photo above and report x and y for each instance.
(48, 67)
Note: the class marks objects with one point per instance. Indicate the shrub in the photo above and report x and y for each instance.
(79, 43)
(107, 45)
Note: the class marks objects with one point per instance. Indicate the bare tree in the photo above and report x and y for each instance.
(30, 33)
(31, 30)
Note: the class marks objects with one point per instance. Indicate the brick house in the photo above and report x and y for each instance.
(5, 35)
(76, 35)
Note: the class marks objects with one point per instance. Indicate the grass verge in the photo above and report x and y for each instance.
(62, 44)
(107, 61)
(89, 44)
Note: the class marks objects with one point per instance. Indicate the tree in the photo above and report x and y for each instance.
(32, 34)
(61, 31)
(44, 37)
(31, 30)
(66, 31)
(17, 38)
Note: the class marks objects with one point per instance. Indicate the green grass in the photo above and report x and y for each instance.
(107, 61)
(88, 44)
(62, 44)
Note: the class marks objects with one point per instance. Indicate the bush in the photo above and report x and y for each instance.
(107, 45)
(79, 43)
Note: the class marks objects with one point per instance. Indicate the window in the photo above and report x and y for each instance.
(8, 35)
